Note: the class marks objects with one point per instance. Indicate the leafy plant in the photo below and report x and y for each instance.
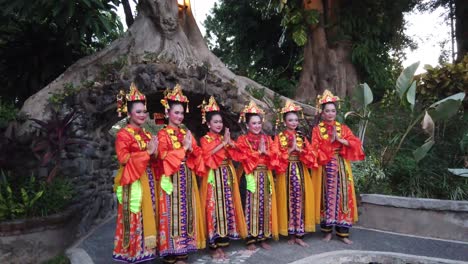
(364, 97)
(257, 93)
(8, 113)
(50, 146)
(24, 197)
(369, 177)
(12, 206)
(405, 89)
(296, 19)
(444, 80)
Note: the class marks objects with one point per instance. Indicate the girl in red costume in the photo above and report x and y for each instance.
(220, 189)
(336, 146)
(180, 218)
(135, 236)
(295, 195)
(258, 156)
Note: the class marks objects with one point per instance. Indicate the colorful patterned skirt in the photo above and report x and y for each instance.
(130, 243)
(179, 219)
(296, 200)
(258, 205)
(221, 206)
(338, 205)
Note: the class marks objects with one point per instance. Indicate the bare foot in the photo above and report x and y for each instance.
(222, 253)
(251, 247)
(327, 237)
(347, 241)
(215, 254)
(265, 246)
(301, 242)
(292, 241)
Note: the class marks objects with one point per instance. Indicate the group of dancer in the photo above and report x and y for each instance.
(283, 186)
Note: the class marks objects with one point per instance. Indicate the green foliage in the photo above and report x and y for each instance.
(369, 176)
(263, 39)
(363, 97)
(41, 38)
(249, 38)
(60, 259)
(57, 196)
(8, 113)
(257, 93)
(375, 29)
(441, 81)
(23, 197)
(296, 20)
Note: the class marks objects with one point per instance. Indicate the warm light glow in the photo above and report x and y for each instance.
(181, 3)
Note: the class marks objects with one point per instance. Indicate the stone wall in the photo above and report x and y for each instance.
(416, 216)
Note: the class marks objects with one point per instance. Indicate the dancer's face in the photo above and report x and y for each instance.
(138, 114)
(255, 124)
(329, 112)
(215, 124)
(291, 120)
(176, 115)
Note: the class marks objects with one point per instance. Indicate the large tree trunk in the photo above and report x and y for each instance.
(461, 28)
(325, 66)
(128, 13)
(162, 34)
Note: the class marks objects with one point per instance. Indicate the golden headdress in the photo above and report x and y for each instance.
(123, 98)
(326, 97)
(174, 95)
(290, 106)
(212, 106)
(251, 108)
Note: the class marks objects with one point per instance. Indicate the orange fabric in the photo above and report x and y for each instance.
(172, 158)
(308, 156)
(325, 148)
(130, 155)
(208, 143)
(354, 151)
(247, 152)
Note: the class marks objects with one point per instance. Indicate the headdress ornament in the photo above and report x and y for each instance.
(174, 95)
(123, 98)
(326, 97)
(290, 106)
(251, 108)
(212, 106)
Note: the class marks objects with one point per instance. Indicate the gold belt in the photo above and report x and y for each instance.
(293, 158)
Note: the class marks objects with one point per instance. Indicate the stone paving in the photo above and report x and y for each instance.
(97, 248)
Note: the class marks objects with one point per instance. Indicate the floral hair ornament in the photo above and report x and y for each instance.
(290, 106)
(174, 95)
(326, 97)
(212, 106)
(123, 98)
(251, 108)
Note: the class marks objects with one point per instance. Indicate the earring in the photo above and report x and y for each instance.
(209, 126)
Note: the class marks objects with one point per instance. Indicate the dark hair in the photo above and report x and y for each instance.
(323, 105)
(132, 103)
(286, 114)
(248, 116)
(174, 103)
(318, 116)
(210, 115)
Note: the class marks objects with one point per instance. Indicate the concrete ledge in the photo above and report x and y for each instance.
(415, 203)
(358, 256)
(78, 256)
(422, 217)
